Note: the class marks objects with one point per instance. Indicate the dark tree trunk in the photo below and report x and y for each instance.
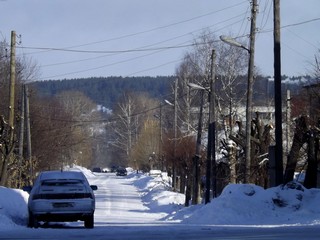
(299, 138)
(188, 190)
(311, 173)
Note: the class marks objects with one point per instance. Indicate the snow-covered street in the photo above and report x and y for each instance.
(141, 207)
(119, 202)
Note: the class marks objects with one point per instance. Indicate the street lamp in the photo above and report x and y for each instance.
(168, 102)
(196, 86)
(232, 42)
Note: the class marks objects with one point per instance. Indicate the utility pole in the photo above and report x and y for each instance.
(175, 122)
(254, 10)
(29, 152)
(196, 169)
(21, 137)
(12, 85)
(10, 146)
(211, 148)
(161, 140)
(277, 93)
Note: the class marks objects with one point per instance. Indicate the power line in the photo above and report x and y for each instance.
(148, 49)
(267, 10)
(182, 45)
(145, 48)
(292, 25)
(140, 49)
(158, 28)
(111, 53)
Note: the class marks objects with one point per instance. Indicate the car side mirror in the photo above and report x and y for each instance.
(94, 187)
(27, 189)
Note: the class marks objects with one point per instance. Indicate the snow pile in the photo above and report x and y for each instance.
(13, 207)
(157, 195)
(238, 204)
(246, 204)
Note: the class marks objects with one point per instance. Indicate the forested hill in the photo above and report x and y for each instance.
(106, 90)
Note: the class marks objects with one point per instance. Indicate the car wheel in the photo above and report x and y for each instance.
(33, 222)
(89, 221)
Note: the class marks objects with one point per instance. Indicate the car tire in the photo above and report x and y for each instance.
(33, 222)
(89, 221)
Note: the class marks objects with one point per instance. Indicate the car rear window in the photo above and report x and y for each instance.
(62, 182)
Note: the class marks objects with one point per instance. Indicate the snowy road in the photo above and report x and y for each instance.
(119, 202)
(121, 214)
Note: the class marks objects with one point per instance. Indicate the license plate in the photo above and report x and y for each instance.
(62, 205)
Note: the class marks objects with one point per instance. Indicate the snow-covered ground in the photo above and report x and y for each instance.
(238, 205)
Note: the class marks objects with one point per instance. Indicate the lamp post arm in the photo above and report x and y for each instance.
(234, 43)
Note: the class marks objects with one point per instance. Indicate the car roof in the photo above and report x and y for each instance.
(47, 175)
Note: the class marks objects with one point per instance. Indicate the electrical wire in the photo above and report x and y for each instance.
(243, 21)
(156, 28)
(182, 45)
(124, 51)
(140, 49)
(154, 44)
(266, 8)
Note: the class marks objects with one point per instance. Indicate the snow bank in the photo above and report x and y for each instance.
(13, 207)
(245, 204)
(157, 195)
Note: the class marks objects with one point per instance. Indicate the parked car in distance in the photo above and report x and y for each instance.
(97, 169)
(114, 169)
(121, 172)
(61, 196)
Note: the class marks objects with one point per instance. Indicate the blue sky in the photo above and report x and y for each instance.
(108, 33)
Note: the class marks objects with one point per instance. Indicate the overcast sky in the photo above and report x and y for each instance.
(111, 29)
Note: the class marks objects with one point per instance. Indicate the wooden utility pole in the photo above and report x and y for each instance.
(10, 145)
(254, 11)
(21, 135)
(211, 148)
(175, 123)
(196, 162)
(29, 152)
(277, 94)
(12, 85)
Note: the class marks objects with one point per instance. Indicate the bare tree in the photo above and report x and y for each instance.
(146, 149)
(130, 115)
(78, 105)
(51, 129)
(195, 68)
(80, 143)
(25, 70)
(232, 63)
